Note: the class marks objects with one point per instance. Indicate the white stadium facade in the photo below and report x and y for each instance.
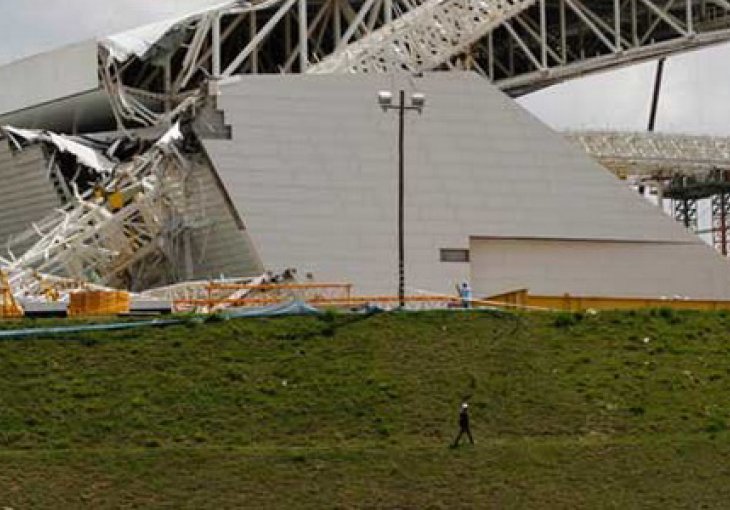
(281, 156)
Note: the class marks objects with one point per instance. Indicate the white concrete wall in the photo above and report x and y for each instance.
(220, 246)
(590, 268)
(312, 169)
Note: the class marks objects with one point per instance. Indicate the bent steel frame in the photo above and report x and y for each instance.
(521, 45)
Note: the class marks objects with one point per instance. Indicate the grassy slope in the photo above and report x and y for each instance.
(344, 413)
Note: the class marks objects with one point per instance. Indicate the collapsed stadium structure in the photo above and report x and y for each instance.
(247, 138)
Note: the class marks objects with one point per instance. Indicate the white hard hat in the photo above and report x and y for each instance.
(464, 405)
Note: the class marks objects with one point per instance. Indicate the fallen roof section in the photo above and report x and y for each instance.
(83, 153)
(141, 41)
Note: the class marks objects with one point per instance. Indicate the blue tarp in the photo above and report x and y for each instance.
(278, 310)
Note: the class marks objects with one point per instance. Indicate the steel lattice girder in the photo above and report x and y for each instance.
(524, 45)
(655, 155)
(424, 38)
(521, 45)
(560, 39)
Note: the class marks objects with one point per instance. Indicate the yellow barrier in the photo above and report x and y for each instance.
(568, 303)
(98, 303)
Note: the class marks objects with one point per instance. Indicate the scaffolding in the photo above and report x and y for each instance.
(685, 192)
(681, 168)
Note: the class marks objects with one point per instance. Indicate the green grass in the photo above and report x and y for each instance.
(606, 411)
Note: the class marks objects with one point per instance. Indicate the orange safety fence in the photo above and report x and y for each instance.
(217, 295)
(347, 287)
(302, 291)
(325, 302)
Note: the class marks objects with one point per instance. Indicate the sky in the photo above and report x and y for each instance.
(32, 26)
(695, 95)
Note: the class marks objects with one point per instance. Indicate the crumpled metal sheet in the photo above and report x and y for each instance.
(85, 155)
(139, 41)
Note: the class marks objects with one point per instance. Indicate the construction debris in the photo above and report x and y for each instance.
(129, 206)
(8, 305)
(120, 224)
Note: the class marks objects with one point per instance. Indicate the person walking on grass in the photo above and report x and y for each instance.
(463, 425)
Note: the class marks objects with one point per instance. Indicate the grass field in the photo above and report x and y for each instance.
(569, 411)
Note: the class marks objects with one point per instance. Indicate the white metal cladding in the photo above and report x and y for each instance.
(312, 170)
(140, 40)
(49, 77)
(221, 246)
(27, 193)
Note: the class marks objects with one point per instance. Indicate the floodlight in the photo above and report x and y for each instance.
(385, 98)
(418, 100)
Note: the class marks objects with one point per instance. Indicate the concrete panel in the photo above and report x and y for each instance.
(312, 169)
(590, 268)
(220, 247)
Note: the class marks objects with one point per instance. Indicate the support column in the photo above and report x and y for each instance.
(634, 24)
(287, 33)
(253, 31)
(720, 213)
(543, 35)
(216, 47)
(690, 20)
(303, 37)
(617, 25)
(336, 21)
(563, 34)
(655, 95)
(490, 50)
(167, 70)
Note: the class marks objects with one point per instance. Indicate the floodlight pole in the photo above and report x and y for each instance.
(401, 199)
(402, 107)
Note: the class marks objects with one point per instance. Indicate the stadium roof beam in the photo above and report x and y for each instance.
(576, 37)
(526, 45)
(521, 45)
(655, 156)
